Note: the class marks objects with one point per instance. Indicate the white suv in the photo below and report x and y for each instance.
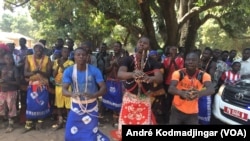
(232, 103)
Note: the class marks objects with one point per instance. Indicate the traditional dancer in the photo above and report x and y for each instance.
(88, 84)
(37, 69)
(139, 73)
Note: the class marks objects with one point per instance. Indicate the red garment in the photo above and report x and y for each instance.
(4, 47)
(229, 77)
(170, 68)
(134, 111)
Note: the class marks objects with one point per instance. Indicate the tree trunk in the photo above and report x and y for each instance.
(148, 23)
(169, 15)
(189, 29)
(189, 43)
(183, 8)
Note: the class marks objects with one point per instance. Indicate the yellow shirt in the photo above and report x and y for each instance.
(58, 78)
(42, 64)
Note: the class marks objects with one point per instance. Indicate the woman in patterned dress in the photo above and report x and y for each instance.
(37, 69)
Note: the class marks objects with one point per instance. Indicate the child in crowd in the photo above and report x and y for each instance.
(9, 82)
(61, 102)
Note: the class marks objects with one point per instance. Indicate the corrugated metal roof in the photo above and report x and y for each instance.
(11, 35)
(5, 40)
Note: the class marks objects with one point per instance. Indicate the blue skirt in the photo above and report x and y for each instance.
(205, 108)
(113, 97)
(37, 102)
(83, 126)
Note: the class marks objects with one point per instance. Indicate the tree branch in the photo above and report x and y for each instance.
(222, 26)
(242, 37)
(116, 17)
(211, 16)
(196, 10)
(107, 13)
(16, 4)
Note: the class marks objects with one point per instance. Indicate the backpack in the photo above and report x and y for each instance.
(199, 76)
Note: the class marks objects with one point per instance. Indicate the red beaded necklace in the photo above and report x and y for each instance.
(140, 65)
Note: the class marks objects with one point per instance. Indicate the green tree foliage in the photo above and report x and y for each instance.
(19, 23)
(73, 19)
(5, 23)
(210, 34)
(165, 22)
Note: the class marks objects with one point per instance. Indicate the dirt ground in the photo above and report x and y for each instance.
(46, 134)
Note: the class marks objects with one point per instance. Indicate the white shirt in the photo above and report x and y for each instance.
(245, 67)
(17, 59)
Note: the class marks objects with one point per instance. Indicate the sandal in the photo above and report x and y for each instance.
(9, 129)
(57, 126)
(28, 128)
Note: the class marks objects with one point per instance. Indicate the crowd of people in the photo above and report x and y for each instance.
(156, 87)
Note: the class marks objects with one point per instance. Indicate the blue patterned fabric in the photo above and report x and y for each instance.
(83, 126)
(204, 114)
(37, 102)
(113, 97)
